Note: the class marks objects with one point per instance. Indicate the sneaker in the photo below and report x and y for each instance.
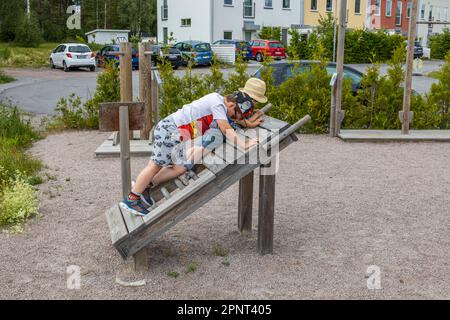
(146, 199)
(134, 207)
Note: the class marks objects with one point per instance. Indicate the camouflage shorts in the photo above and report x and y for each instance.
(167, 147)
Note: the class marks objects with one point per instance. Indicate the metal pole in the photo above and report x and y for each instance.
(409, 68)
(340, 65)
(335, 33)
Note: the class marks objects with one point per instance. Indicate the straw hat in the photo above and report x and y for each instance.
(255, 88)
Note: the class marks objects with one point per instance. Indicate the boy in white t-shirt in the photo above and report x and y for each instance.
(168, 159)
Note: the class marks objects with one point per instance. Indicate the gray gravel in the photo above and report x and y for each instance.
(339, 209)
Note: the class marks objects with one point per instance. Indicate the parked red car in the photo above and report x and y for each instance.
(272, 48)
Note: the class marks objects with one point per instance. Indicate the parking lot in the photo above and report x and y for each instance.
(38, 90)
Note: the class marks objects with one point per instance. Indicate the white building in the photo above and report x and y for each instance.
(107, 36)
(211, 20)
(435, 11)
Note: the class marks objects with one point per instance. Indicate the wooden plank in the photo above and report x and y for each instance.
(245, 206)
(266, 211)
(204, 178)
(109, 115)
(147, 232)
(117, 227)
(131, 221)
(257, 133)
(228, 153)
(214, 163)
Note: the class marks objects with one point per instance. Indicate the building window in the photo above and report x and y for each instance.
(329, 5)
(438, 14)
(313, 5)
(408, 9)
(165, 35)
(164, 10)
(422, 12)
(445, 18)
(249, 9)
(286, 4)
(228, 35)
(186, 22)
(358, 6)
(376, 7)
(398, 14)
(388, 8)
(268, 4)
(227, 2)
(430, 14)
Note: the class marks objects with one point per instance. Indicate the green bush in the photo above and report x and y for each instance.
(18, 201)
(13, 128)
(439, 44)
(270, 33)
(28, 33)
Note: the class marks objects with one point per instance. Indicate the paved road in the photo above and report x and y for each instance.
(38, 90)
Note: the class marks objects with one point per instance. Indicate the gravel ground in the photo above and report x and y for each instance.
(339, 208)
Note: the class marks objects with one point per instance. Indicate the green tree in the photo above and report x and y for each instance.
(28, 32)
(10, 13)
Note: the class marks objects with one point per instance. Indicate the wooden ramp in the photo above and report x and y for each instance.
(177, 199)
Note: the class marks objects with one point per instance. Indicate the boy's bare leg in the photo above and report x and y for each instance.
(145, 177)
(167, 174)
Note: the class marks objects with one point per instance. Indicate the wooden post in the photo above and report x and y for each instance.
(245, 203)
(409, 68)
(126, 80)
(145, 82)
(266, 212)
(340, 64)
(125, 150)
(155, 99)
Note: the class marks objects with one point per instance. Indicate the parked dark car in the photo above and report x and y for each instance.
(418, 50)
(285, 70)
(197, 51)
(242, 48)
(170, 54)
(102, 56)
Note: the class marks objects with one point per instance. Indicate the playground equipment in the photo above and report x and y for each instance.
(176, 199)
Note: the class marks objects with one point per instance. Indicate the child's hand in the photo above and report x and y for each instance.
(259, 113)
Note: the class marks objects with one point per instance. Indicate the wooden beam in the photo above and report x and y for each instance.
(245, 207)
(266, 211)
(340, 65)
(126, 76)
(145, 90)
(125, 151)
(409, 69)
(109, 115)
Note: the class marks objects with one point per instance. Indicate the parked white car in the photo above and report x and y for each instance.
(72, 55)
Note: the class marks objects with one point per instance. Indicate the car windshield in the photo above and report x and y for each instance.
(348, 74)
(202, 47)
(275, 45)
(242, 44)
(79, 49)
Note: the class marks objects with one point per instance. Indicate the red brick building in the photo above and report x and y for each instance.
(392, 15)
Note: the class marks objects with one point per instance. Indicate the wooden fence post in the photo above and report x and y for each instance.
(126, 76)
(245, 203)
(266, 211)
(145, 92)
(125, 150)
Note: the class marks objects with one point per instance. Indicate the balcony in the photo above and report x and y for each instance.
(249, 9)
(164, 12)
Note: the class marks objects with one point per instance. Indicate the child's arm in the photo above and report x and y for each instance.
(249, 123)
(229, 132)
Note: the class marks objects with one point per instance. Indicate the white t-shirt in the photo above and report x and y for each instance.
(211, 104)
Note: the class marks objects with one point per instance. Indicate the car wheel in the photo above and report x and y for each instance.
(92, 68)
(259, 57)
(175, 67)
(52, 65)
(66, 69)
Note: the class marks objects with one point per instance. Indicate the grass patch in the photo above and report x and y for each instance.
(192, 267)
(13, 55)
(173, 274)
(4, 78)
(18, 199)
(220, 251)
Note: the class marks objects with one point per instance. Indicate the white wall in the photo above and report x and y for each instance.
(438, 12)
(106, 37)
(224, 18)
(196, 10)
